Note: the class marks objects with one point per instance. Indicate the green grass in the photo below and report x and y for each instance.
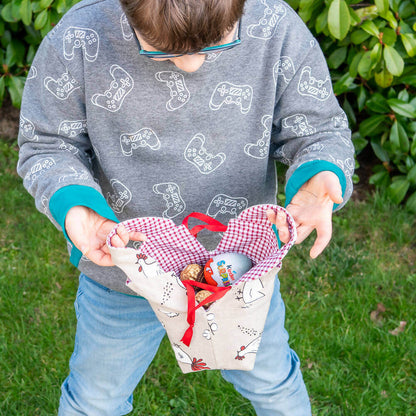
(351, 364)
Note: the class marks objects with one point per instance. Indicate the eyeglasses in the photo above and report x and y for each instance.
(204, 51)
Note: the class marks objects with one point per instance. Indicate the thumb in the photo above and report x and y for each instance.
(334, 191)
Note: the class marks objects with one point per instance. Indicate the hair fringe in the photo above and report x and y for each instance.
(182, 26)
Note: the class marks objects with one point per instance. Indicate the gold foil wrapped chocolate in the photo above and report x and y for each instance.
(202, 295)
(193, 272)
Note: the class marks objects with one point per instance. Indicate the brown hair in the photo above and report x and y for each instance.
(182, 26)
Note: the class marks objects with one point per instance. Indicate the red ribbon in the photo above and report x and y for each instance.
(211, 223)
(218, 293)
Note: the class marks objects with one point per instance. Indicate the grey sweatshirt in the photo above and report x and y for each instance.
(104, 127)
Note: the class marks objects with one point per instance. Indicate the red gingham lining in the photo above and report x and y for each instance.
(250, 233)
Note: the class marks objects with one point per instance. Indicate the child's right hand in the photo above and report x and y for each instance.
(88, 231)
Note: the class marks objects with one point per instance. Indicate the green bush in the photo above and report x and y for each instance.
(23, 24)
(370, 49)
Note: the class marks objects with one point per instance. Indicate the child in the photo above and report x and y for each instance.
(162, 108)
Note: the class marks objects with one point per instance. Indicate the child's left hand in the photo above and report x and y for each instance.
(311, 208)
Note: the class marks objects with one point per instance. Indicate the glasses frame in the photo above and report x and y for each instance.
(204, 51)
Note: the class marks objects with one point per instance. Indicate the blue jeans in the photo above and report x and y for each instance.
(118, 335)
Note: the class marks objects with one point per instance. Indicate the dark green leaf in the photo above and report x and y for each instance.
(322, 21)
(378, 104)
(359, 36)
(7, 13)
(372, 125)
(353, 69)
(411, 175)
(2, 89)
(16, 85)
(381, 179)
(413, 146)
(44, 4)
(376, 54)
(339, 19)
(365, 65)
(380, 152)
(350, 112)
(411, 203)
(362, 98)
(359, 143)
(389, 36)
(398, 137)
(26, 12)
(409, 42)
(337, 57)
(402, 108)
(370, 27)
(406, 9)
(382, 6)
(393, 60)
(398, 189)
(41, 19)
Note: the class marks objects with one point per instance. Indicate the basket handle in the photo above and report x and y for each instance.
(210, 223)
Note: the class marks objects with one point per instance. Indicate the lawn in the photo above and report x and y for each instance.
(350, 313)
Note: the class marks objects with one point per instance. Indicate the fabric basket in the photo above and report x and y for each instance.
(228, 333)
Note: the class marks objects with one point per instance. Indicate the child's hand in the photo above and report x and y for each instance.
(311, 208)
(88, 231)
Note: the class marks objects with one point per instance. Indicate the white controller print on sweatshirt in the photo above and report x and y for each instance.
(179, 93)
(266, 27)
(120, 86)
(81, 38)
(226, 93)
(197, 154)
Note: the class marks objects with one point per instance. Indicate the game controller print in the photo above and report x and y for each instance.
(212, 56)
(170, 192)
(144, 137)
(196, 154)
(27, 128)
(226, 93)
(84, 39)
(281, 155)
(179, 93)
(119, 197)
(298, 124)
(125, 28)
(72, 128)
(309, 86)
(284, 68)
(340, 121)
(224, 204)
(78, 175)
(121, 85)
(62, 87)
(260, 150)
(266, 27)
(348, 165)
(39, 169)
(67, 147)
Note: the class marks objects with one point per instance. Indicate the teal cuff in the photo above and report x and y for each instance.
(305, 172)
(70, 196)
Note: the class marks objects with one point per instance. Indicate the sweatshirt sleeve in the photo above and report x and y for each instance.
(311, 130)
(56, 156)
